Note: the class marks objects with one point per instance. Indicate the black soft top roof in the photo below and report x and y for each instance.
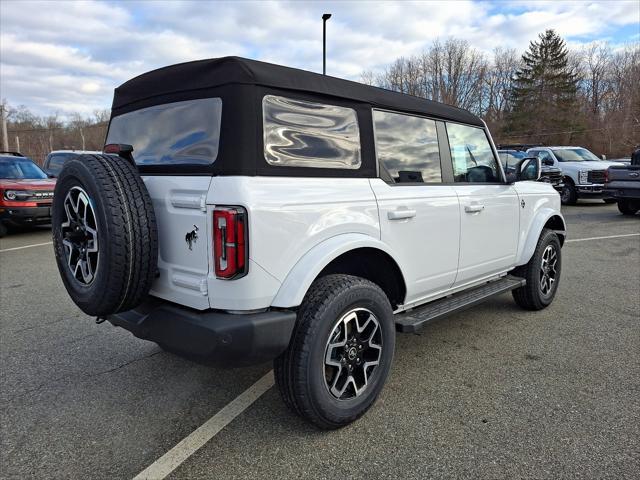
(206, 74)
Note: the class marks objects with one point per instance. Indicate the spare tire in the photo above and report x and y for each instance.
(104, 234)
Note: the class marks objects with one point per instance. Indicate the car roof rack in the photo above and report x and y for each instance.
(13, 154)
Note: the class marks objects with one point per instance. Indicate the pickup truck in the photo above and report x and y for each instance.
(623, 184)
(583, 172)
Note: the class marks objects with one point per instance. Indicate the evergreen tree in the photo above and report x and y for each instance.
(544, 92)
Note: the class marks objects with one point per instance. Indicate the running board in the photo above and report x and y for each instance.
(415, 319)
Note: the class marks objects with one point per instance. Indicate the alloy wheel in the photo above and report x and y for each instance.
(352, 354)
(548, 269)
(80, 236)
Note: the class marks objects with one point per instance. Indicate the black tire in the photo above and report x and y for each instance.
(300, 372)
(568, 195)
(533, 296)
(120, 216)
(628, 207)
(3, 230)
(609, 200)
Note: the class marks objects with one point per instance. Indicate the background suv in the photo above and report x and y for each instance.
(55, 160)
(26, 192)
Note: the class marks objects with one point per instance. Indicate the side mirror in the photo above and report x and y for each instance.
(603, 156)
(529, 168)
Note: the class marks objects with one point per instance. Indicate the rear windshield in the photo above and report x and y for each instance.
(186, 133)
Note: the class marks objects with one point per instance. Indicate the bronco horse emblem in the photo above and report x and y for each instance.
(191, 237)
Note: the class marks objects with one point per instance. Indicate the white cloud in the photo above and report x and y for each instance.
(68, 56)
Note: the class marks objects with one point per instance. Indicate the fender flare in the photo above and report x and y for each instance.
(538, 223)
(307, 269)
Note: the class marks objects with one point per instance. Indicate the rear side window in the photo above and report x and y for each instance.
(299, 133)
(186, 133)
(407, 147)
(472, 156)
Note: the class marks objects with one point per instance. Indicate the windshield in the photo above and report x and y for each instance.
(20, 168)
(574, 155)
(186, 133)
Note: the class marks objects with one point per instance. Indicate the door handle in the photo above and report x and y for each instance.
(401, 214)
(473, 208)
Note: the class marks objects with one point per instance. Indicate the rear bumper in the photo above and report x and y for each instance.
(213, 336)
(25, 215)
(623, 192)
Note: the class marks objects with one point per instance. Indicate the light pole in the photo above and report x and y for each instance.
(325, 17)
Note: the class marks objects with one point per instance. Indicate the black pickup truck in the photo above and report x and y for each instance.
(623, 184)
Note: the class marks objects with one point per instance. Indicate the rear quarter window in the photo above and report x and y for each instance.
(186, 133)
(300, 133)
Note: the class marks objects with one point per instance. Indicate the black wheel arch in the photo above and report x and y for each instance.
(374, 265)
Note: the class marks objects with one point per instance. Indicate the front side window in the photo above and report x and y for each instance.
(186, 133)
(510, 159)
(472, 156)
(407, 147)
(545, 157)
(299, 133)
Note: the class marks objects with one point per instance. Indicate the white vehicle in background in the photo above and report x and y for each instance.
(245, 212)
(56, 159)
(583, 171)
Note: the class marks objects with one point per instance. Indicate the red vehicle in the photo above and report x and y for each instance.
(26, 192)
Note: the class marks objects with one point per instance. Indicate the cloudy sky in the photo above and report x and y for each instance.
(63, 56)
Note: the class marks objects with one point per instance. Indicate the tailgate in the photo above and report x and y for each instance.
(183, 241)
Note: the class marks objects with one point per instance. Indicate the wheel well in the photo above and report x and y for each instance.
(374, 265)
(568, 179)
(556, 224)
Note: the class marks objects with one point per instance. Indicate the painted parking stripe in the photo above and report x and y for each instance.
(603, 238)
(190, 444)
(25, 246)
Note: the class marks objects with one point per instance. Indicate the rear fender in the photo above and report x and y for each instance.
(300, 278)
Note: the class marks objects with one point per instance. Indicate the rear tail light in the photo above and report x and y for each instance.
(230, 242)
(606, 176)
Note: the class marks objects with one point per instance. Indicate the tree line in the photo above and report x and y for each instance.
(35, 136)
(547, 95)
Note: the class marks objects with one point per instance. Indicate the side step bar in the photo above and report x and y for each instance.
(415, 319)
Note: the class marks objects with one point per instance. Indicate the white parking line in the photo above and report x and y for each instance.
(190, 444)
(25, 246)
(603, 238)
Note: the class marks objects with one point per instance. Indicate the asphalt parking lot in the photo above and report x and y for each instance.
(493, 392)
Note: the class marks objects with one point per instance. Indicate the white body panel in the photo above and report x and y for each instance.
(417, 220)
(288, 217)
(489, 219)
(298, 225)
(179, 205)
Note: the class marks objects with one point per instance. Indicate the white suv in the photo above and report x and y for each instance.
(583, 172)
(246, 212)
